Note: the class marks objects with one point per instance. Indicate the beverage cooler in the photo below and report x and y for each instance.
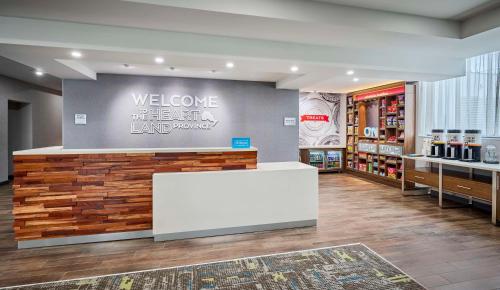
(326, 160)
(333, 160)
(317, 159)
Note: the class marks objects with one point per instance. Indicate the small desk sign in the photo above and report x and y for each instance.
(80, 119)
(290, 121)
(241, 142)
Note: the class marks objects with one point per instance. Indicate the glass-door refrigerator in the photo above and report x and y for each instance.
(317, 159)
(333, 159)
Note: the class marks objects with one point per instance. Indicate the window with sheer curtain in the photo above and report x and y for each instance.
(468, 102)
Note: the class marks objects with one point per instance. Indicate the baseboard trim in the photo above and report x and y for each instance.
(233, 230)
(84, 239)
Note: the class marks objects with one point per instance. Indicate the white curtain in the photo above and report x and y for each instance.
(468, 102)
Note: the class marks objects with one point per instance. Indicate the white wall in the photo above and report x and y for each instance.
(46, 116)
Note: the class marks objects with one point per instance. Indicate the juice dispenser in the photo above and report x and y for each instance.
(472, 146)
(438, 143)
(454, 144)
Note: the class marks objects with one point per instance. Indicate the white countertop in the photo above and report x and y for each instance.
(473, 165)
(61, 150)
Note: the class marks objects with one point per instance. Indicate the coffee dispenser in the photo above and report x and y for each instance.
(438, 143)
(454, 144)
(472, 146)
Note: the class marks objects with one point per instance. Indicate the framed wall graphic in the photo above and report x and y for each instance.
(322, 120)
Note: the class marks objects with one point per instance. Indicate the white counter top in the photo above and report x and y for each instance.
(473, 165)
(61, 150)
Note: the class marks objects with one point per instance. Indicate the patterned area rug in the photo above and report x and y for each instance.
(343, 267)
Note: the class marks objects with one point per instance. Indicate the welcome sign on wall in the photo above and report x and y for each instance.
(322, 120)
(162, 114)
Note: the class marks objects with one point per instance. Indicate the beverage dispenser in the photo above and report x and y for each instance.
(438, 143)
(472, 146)
(454, 144)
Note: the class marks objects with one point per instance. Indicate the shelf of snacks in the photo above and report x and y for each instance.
(389, 114)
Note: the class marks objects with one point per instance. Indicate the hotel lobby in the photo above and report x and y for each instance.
(260, 144)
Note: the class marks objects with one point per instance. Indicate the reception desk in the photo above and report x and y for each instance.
(64, 196)
(273, 196)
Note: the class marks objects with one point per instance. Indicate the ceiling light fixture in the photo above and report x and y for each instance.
(213, 71)
(229, 64)
(171, 68)
(349, 72)
(126, 65)
(159, 59)
(294, 68)
(76, 54)
(355, 80)
(39, 73)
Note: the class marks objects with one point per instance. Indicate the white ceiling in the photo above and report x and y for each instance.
(444, 9)
(262, 37)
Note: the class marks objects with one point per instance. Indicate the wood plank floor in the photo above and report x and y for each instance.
(441, 248)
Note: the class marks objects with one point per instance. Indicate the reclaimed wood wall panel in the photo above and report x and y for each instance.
(82, 194)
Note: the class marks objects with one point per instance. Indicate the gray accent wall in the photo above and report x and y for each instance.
(245, 109)
(46, 117)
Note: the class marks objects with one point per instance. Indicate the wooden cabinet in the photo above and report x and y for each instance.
(423, 176)
(474, 188)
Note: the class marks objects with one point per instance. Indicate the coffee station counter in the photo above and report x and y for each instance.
(465, 184)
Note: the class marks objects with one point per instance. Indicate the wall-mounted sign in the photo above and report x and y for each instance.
(394, 150)
(314, 118)
(162, 114)
(240, 142)
(80, 119)
(367, 147)
(380, 93)
(290, 121)
(322, 120)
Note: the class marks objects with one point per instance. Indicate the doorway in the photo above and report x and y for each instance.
(20, 135)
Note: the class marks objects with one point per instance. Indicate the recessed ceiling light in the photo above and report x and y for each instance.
(355, 80)
(39, 73)
(126, 65)
(76, 54)
(294, 68)
(349, 72)
(159, 59)
(229, 64)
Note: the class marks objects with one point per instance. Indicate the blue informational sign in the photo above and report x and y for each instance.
(241, 142)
